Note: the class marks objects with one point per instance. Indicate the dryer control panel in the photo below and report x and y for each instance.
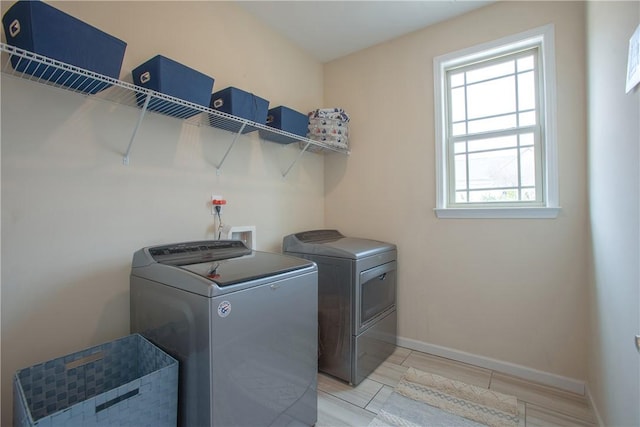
(318, 236)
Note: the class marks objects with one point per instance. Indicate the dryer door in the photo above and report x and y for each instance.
(377, 294)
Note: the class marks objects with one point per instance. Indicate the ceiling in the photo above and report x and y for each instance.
(331, 29)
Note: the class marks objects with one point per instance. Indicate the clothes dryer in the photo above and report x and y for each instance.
(356, 300)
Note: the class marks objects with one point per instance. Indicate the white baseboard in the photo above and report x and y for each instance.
(594, 408)
(546, 378)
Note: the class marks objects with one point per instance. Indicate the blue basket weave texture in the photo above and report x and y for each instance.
(128, 382)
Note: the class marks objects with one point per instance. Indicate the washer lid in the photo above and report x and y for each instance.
(256, 265)
(220, 262)
(333, 243)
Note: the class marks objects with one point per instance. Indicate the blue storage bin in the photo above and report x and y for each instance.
(241, 104)
(172, 78)
(126, 382)
(288, 120)
(39, 28)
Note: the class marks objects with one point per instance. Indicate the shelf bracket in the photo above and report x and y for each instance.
(125, 160)
(235, 138)
(284, 175)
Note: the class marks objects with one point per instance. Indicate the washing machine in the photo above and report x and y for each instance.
(242, 324)
(356, 300)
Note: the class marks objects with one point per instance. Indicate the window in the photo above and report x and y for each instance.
(495, 129)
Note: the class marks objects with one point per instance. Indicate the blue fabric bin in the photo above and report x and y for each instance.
(241, 104)
(288, 120)
(172, 78)
(42, 29)
(126, 382)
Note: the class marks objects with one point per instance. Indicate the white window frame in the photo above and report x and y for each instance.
(543, 38)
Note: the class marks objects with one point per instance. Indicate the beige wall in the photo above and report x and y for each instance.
(72, 214)
(509, 290)
(614, 189)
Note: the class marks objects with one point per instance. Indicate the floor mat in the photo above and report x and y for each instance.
(424, 399)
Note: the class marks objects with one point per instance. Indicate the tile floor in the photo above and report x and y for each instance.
(342, 405)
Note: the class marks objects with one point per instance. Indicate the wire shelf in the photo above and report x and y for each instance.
(41, 69)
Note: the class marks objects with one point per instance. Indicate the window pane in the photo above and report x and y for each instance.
(526, 91)
(494, 123)
(461, 197)
(457, 79)
(528, 194)
(493, 169)
(527, 119)
(527, 167)
(491, 98)
(525, 63)
(457, 105)
(490, 104)
(459, 129)
(526, 139)
(491, 72)
(493, 143)
(461, 172)
(488, 196)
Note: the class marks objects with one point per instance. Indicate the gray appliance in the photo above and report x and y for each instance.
(242, 325)
(356, 300)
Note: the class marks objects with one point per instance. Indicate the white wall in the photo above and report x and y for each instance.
(614, 189)
(511, 290)
(73, 214)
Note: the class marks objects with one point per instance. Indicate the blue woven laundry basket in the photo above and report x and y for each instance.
(126, 382)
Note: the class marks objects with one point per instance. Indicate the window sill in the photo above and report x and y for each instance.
(498, 213)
